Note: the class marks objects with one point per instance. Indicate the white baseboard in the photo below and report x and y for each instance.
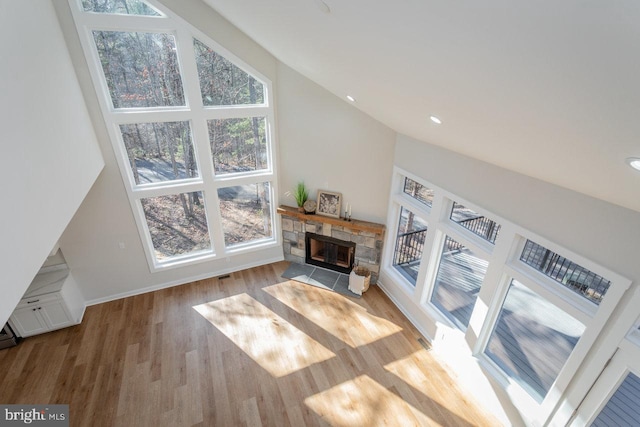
(406, 314)
(182, 281)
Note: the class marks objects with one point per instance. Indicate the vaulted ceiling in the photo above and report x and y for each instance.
(550, 89)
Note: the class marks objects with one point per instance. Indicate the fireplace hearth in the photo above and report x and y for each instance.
(328, 252)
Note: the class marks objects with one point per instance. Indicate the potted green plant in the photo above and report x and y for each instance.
(301, 194)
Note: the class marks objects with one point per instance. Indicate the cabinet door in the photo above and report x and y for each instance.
(28, 321)
(55, 314)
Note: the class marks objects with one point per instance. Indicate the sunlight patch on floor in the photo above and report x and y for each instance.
(334, 313)
(445, 395)
(409, 369)
(271, 341)
(364, 402)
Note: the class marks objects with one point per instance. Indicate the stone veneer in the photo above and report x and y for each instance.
(368, 243)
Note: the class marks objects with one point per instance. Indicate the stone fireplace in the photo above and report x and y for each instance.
(327, 252)
(361, 240)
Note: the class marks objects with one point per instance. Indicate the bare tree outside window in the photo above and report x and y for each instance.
(222, 82)
(238, 145)
(175, 230)
(164, 154)
(245, 213)
(141, 69)
(121, 7)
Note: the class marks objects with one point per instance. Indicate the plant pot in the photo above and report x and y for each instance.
(301, 209)
(359, 280)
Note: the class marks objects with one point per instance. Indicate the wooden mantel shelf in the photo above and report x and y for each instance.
(354, 224)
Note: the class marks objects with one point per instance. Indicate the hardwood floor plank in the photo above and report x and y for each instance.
(249, 413)
(249, 349)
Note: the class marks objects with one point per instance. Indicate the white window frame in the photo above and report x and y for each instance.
(444, 226)
(194, 112)
(626, 360)
(592, 316)
(634, 334)
(400, 199)
(504, 265)
(468, 241)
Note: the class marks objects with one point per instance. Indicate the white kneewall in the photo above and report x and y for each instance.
(50, 152)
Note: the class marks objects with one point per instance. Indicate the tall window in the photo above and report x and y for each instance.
(412, 230)
(459, 278)
(538, 329)
(191, 126)
(532, 339)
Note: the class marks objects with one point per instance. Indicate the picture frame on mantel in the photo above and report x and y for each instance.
(329, 203)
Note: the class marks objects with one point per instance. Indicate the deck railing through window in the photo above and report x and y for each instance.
(483, 227)
(566, 272)
(409, 247)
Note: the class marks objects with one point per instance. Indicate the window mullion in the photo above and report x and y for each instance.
(555, 293)
(143, 121)
(114, 22)
(492, 293)
(468, 239)
(186, 56)
(149, 115)
(413, 205)
(230, 112)
(433, 248)
(166, 189)
(187, 59)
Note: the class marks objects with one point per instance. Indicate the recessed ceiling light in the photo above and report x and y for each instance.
(351, 98)
(634, 162)
(435, 120)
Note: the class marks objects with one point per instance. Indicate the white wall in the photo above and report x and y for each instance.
(319, 136)
(331, 145)
(49, 150)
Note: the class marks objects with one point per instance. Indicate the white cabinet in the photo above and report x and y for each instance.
(53, 301)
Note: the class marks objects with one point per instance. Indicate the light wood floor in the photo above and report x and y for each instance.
(252, 349)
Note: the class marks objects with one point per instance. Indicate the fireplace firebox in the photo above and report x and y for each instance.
(329, 252)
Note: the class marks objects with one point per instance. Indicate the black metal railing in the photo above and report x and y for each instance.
(451, 246)
(409, 247)
(566, 272)
(483, 227)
